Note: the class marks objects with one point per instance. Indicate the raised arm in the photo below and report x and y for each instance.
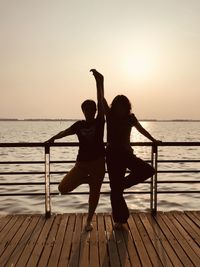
(68, 131)
(101, 101)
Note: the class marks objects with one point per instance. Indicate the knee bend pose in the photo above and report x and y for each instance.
(90, 163)
(119, 154)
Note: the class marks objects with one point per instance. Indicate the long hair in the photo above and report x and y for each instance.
(123, 102)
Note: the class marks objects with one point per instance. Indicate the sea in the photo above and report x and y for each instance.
(40, 131)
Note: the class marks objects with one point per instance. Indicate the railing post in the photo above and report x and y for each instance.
(47, 182)
(154, 158)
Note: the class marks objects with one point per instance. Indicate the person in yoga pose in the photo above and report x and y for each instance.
(119, 153)
(90, 164)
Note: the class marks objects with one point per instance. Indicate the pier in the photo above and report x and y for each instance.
(149, 239)
(165, 239)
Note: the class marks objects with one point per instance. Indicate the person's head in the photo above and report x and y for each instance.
(89, 109)
(120, 106)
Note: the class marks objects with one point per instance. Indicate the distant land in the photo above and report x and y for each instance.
(172, 120)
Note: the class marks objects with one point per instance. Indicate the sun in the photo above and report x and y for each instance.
(139, 65)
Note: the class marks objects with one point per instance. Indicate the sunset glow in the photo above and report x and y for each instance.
(148, 50)
(139, 67)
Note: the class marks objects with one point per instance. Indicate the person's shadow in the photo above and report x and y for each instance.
(117, 246)
(80, 247)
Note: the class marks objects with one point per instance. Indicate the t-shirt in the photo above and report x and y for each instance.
(119, 131)
(90, 136)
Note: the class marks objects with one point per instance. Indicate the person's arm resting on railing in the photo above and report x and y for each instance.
(68, 131)
(144, 132)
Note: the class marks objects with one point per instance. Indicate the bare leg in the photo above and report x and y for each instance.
(95, 182)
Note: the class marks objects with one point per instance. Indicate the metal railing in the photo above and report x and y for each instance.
(46, 173)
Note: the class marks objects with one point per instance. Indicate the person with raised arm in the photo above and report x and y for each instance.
(90, 164)
(119, 153)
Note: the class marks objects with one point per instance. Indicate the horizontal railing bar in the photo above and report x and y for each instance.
(179, 161)
(72, 144)
(52, 183)
(22, 162)
(104, 182)
(177, 192)
(104, 193)
(22, 183)
(70, 193)
(64, 172)
(18, 173)
(37, 162)
(21, 194)
(148, 182)
(178, 182)
(180, 171)
(73, 161)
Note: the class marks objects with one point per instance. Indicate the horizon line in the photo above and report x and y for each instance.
(54, 119)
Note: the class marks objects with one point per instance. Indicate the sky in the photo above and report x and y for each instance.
(146, 50)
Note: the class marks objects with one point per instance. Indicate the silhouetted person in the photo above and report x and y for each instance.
(90, 163)
(119, 153)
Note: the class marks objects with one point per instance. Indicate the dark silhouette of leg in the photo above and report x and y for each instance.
(116, 171)
(140, 171)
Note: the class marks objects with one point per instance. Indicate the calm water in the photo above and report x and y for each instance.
(23, 131)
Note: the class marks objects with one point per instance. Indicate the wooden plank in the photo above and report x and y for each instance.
(143, 255)
(24, 257)
(17, 245)
(3, 234)
(3, 222)
(168, 239)
(193, 217)
(35, 255)
(75, 251)
(156, 262)
(190, 230)
(10, 231)
(184, 240)
(131, 248)
(93, 254)
(103, 250)
(84, 245)
(170, 232)
(163, 239)
(112, 247)
(49, 242)
(189, 226)
(121, 237)
(67, 241)
(155, 241)
(14, 236)
(197, 213)
(55, 254)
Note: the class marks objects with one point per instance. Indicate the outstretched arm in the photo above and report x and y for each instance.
(144, 132)
(68, 131)
(101, 101)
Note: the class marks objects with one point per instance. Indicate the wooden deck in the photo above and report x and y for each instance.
(167, 239)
